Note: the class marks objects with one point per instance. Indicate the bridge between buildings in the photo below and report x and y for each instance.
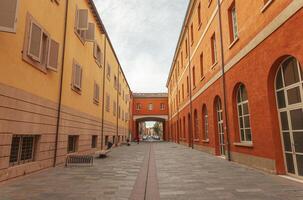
(149, 107)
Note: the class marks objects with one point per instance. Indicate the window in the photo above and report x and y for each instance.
(201, 66)
(77, 76)
(243, 114)
(138, 106)
(119, 112)
(187, 86)
(40, 50)
(122, 115)
(107, 103)
(8, 15)
(22, 149)
(94, 141)
(72, 143)
(214, 49)
(182, 60)
(233, 22)
(114, 108)
(199, 15)
(205, 122)
(192, 33)
(96, 93)
(115, 82)
(162, 106)
(196, 125)
(150, 106)
(194, 76)
(108, 71)
(182, 91)
(83, 29)
(98, 54)
(186, 48)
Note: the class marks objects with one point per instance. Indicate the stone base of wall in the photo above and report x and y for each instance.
(205, 149)
(260, 163)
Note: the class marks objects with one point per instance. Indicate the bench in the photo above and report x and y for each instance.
(79, 160)
(102, 153)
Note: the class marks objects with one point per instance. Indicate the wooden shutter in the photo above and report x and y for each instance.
(77, 76)
(35, 41)
(82, 17)
(8, 15)
(52, 61)
(96, 92)
(90, 33)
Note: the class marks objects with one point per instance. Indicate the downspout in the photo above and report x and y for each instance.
(103, 92)
(223, 81)
(61, 85)
(118, 110)
(190, 93)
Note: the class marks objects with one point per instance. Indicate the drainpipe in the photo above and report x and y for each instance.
(118, 110)
(60, 86)
(103, 92)
(223, 81)
(191, 138)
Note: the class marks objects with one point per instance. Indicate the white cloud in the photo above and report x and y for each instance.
(144, 34)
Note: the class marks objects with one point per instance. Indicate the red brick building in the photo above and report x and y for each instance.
(149, 107)
(235, 84)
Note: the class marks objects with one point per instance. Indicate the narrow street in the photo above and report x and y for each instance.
(153, 171)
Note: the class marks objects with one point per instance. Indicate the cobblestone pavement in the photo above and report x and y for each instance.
(176, 172)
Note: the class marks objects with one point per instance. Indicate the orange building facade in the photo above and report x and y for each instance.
(235, 84)
(149, 107)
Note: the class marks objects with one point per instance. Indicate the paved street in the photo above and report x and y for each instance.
(153, 171)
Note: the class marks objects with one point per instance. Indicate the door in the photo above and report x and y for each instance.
(289, 95)
(220, 127)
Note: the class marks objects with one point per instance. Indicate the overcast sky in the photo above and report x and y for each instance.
(144, 34)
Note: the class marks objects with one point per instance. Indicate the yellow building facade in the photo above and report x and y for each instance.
(58, 67)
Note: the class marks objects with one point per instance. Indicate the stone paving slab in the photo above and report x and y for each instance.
(184, 173)
(177, 173)
(110, 178)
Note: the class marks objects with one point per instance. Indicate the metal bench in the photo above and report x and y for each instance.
(79, 160)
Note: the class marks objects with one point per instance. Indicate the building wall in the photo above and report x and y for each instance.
(29, 95)
(252, 60)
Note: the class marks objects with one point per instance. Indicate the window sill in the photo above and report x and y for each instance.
(98, 63)
(264, 8)
(96, 102)
(76, 90)
(214, 65)
(244, 144)
(203, 77)
(205, 141)
(233, 43)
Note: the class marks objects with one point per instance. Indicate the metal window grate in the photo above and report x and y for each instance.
(22, 149)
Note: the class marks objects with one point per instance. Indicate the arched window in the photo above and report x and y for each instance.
(196, 125)
(184, 127)
(205, 122)
(289, 95)
(220, 123)
(243, 114)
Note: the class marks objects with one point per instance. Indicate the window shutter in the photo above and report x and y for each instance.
(82, 23)
(95, 50)
(77, 76)
(90, 33)
(35, 38)
(52, 61)
(8, 17)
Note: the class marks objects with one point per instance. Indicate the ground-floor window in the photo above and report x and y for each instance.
(94, 141)
(106, 140)
(22, 149)
(72, 143)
